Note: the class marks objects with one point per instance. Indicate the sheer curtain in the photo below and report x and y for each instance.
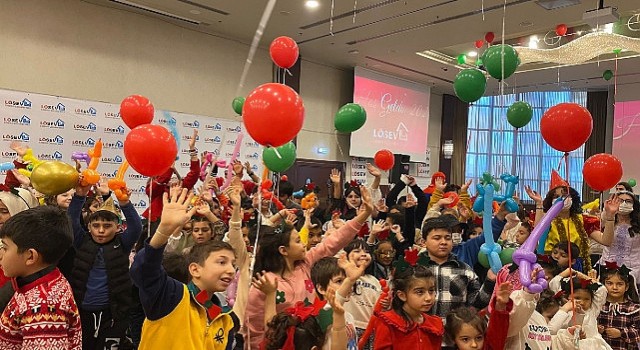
(491, 140)
(597, 105)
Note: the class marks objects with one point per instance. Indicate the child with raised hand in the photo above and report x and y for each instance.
(192, 309)
(42, 313)
(619, 319)
(283, 256)
(588, 298)
(467, 330)
(407, 325)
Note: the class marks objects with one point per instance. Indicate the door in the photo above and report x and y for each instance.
(317, 171)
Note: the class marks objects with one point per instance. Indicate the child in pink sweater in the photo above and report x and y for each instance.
(282, 256)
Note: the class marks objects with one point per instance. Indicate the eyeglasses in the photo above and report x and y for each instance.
(626, 201)
(387, 253)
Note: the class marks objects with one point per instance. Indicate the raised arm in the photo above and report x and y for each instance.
(611, 207)
(335, 178)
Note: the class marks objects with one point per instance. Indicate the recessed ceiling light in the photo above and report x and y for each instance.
(526, 24)
(285, 13)
(194, 12)
(472, 54)
(312, 4)
(354, 52)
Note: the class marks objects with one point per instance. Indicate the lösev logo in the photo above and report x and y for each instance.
(59, 108)
(195, 124)
(139, 190)
(188, 138)
(50, 156)
(252, 156)
(185, 165)
(8, 154)
(25, 103)
(24, 120)
(112, 160)
(86, 143)
(90, 112)
(252, 144)
(21, 137)
(109, 175)
(236, 129)
(140, 205)
(56, 140)
(112, 115)
(117, 130)
(214, 127)
(56, 124)
(133, 176)
(215, 140)
(113, 145)
(91, 127)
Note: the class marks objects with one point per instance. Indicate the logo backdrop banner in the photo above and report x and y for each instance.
(55, 127)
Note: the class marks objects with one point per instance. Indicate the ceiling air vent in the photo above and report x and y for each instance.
(154, 11)
(556, 4)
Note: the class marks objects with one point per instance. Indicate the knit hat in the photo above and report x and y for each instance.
(556, 181)
(432, 186)
(17, 200)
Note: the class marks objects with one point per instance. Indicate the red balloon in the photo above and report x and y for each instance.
(273, 114)
(384, 159)
(566, 126)
(561, 29)
(150, 149)
(479, 43)
(456, 199)
(489, 37)
(602, 171)
(284, 51)
(136, 110)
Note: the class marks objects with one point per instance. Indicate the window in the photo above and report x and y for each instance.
(491, 146)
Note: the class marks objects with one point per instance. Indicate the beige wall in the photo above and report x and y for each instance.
(80, 50)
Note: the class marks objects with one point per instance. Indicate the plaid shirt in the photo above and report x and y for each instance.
(457, 286)
(625, 317)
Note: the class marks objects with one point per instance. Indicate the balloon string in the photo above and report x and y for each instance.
(355, 6)
(514, 152)
(482, 8)
(331, 17)
(254, 44)
(275, 149)
(573, 303)
(150, 200)
(615, 81)
(338, 143)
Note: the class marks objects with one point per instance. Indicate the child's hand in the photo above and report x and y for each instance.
(264, 284)
(233, 193)
(238, 168)
(351, 270)
(82, 190)
(336, 222)
(445, 202)
(202, 208)
(466, 185)
(535, 196)
(381, 206)
(377, 227)
(502, 295)
(441, 185)
(367, 203)
(613, 332)
(192, 141)
(373, 170)
(102, 187)
(335, 176)
(333, 301)
(611, 207)
(174, 211)
(385, 302)
(291, 218)
(19, 148)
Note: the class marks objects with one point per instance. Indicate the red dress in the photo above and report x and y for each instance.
(393, 332)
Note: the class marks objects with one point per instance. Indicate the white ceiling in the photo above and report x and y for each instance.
(386, 34)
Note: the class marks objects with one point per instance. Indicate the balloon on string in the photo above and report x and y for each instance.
(461, 59)
(7, 166)
(90, 175)
(563, 117)
(173, 127)
(561, 29)
(273, 114)
(456, 199)
(489, 37)
(384, 159)
(617, 51)
(470, 84)
(81, 156)
(136, 110)
(150, 149)
(479, 43)
(483, 205)
(237, 104)
(510, 190)
(602, 171)
(632, 182)
(525, 256)
(281, 158)
(493, 58)
(284, 52)
(479, 62)
(519, 114)
(53, 177)
(607, 75)
(350, 118)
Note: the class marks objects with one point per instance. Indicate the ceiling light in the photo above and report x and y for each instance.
(533, 42)
(312, 4)
(472, 54)
(354, 52)
(608, 28)
(195, 12)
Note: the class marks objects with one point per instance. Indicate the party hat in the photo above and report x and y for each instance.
(556, 180)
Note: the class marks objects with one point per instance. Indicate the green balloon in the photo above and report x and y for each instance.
(462, 59)
(607, 75)
(506, 255)
(519, 114)
(493, 62)
(469, 85)
(479, 62)
(617, 51)
(632, 182)
(350, 117)
(237, 104)
(483, 260)
(280, 163)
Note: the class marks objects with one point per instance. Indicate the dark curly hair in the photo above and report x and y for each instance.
(576, 205)
(307, 335)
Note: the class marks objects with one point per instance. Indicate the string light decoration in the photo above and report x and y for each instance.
(580, 50)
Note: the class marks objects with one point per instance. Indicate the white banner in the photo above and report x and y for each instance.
(55, 127)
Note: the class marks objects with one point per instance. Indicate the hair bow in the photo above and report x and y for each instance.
(577, 281)
(301, 311)
(559, 295)
(545, 258)
(612, 265)
(410, 259)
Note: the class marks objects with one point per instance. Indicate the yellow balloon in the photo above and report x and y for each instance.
(53, 177)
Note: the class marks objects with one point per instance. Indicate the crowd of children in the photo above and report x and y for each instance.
(257, 266)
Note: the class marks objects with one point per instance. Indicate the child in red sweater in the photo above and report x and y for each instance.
(407, 325)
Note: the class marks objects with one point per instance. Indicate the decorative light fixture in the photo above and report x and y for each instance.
(312, 4)
(533, 42)
(447, 149)
(472, 54)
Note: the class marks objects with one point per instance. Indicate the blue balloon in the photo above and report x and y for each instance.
(7, 166)
(172, 123)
